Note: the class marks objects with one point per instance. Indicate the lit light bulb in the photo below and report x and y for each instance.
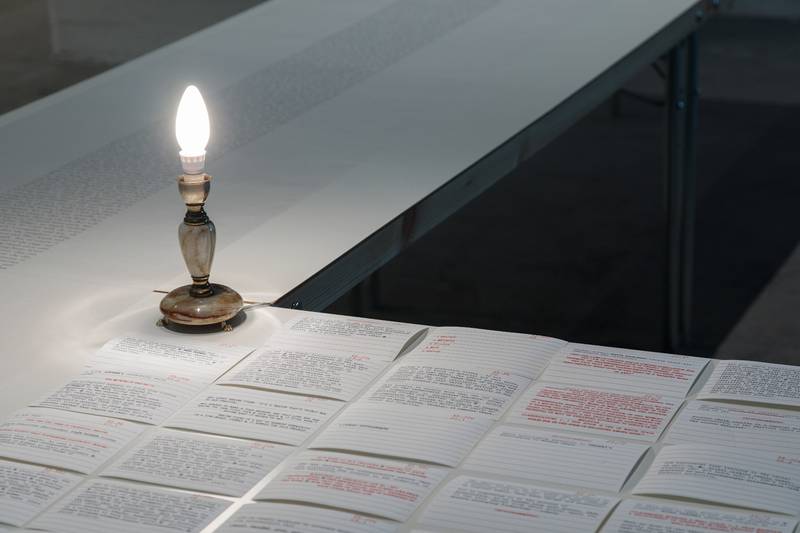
(192, 130)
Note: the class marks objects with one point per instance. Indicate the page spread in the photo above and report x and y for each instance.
(648, 516)
(482, 504)
(255, 414)
(26, 490)
(754, 381)
(590, 462)
(63, 439)
(284, 518)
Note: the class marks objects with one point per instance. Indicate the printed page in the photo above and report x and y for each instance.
(455, 388)
(518, 353)
(737, 426)
(752, 381)
(74, 441)
(437, 437)
(746, 478)
(102, 506)
(588, 462)
(382, 487)
(658, 516)
(125, 392)
(479, 505)
(339, 375)
(255, 414)
(26, 490)
(204, 361)
(630, 415)
(187, 460)
(378, 339)
(289, 518)
(625, 370)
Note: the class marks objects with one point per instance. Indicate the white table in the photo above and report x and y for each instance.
(341, 131)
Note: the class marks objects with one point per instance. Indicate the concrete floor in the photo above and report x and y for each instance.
(576, 247)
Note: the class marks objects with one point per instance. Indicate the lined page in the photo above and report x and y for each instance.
(26, 490)
(625, 370)
(454, 388)
(753, 381)
(181, 459)
(339, 375)
(545, 456)
(74, 441)
(319, 332)
(479, 504)
(206, 361)
(404, 432)
(631, 415)
(518, 353)
(125, 392)
(255, 414)
(649, 516)
(288, 518)
(738, 426)
(747, 478)
(101, 506)
(383, 487)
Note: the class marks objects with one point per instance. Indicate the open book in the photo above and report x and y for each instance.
(356, 425)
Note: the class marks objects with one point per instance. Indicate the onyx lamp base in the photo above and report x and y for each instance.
(222, 305)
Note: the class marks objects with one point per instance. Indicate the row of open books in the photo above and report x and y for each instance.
(326, 429)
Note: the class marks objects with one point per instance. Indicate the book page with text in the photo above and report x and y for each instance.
(102, 506)
(255, 414)
(746, 478)
(74, 441)
(407, 433)
(545, 456)
(737, 426)
(26, 490)
(186, 460)
(753, 381)
(518, 353)
(649, 516)
(291, 518)
(605, 412)
(625, 370)
(479, 505)
(383, 487)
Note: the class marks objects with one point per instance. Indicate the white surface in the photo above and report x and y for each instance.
(345, 132)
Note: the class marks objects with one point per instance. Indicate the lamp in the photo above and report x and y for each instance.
(201, 303)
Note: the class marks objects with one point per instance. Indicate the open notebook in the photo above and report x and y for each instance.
(355, 425)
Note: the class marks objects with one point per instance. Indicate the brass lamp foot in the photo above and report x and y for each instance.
(180, 307)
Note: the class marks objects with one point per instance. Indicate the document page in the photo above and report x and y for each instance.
(737, 426)
(206, 361)
(479, 505)
(187, 460)
(753, 381)
(437, 437)
(328, 374)
(747, 478)
(382, 487)
(102, 506)
(74, 441)
(605, 412)
(454, 387)
(26, 490)
(125, 392)
(288, 518)
(255, 414)
(378, 339)
(625, 370)
(657, 516)
(590, 462)
(518, 353)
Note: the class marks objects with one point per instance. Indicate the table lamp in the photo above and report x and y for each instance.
(200, 304)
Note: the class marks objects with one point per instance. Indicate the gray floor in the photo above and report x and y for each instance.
(577, 250)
